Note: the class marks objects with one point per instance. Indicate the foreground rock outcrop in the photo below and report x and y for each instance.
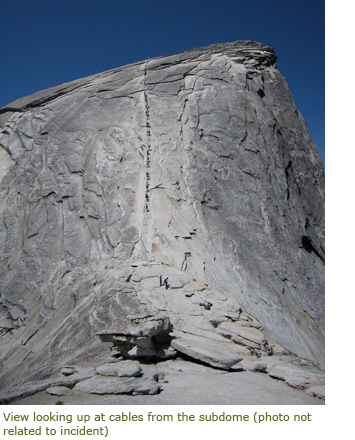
(172, 207)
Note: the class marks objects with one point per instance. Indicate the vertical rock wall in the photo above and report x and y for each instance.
(185, 187)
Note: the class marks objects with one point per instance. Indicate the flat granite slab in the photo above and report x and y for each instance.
(187, 383)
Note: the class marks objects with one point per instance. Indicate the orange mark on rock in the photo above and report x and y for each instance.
(156, 248)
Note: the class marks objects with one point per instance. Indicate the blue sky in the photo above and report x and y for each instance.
(47, 42)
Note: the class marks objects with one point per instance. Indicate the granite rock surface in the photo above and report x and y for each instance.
(172, 207)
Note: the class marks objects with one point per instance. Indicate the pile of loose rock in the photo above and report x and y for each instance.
(142, 339)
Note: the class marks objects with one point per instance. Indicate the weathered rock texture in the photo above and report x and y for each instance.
(172, 206)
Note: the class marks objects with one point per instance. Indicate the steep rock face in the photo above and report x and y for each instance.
(181, 193)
